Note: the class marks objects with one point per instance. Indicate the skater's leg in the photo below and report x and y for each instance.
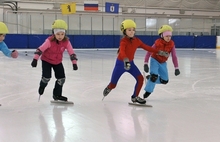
(162, 78)
(60, 76)
(46, 75)
(43, 83)
(153, 79)
(135, 72)
(116, 74)
(163, 73)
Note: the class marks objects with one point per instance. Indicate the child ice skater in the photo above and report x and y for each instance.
(124, 62)
(158, 64)
(51, 52)
(3, 46)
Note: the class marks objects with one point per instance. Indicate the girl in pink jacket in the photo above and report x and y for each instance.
(51, 52)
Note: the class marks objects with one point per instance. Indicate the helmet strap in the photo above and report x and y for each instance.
(124, 32)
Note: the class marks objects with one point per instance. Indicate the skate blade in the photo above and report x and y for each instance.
(39, 98)
(61, 102)
(137, 104)
(103, 98)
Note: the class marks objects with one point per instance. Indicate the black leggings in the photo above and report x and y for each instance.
(59, 73)
(58, 70)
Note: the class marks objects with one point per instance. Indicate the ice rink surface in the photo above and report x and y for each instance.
(187, 109)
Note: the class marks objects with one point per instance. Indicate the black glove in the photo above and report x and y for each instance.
(127, 64)
(177, 72)
(146, 68)
(34, 63)
(75, 67)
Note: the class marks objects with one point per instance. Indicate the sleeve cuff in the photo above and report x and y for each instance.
(74, 61)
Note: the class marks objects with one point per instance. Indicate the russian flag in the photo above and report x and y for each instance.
(91, 5)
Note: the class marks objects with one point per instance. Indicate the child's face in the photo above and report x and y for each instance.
(60, 36)
(2, 37)
(167, 38)
(130, 32)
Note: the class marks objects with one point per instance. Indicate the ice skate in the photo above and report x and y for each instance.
(41, 90)
(146, 95)
(138, 100)
(43, 84)
(106, 91)
(60, 98)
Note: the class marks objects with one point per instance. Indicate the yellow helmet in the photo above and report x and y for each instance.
(128, 23)
(165, 28)
(59, 24)
(3, 28)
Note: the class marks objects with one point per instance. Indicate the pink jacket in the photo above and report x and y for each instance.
(52, 52)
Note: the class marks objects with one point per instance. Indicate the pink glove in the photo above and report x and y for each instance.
(14, 54)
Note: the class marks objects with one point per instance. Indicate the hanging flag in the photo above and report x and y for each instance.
(91, 5)
(68, 8)
(111, 7)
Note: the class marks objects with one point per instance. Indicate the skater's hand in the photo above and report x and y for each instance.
(177, 72)
(127, 64)
(146, 68)
(163, 53)
(34, 63)
(75, 67)
(14, 54)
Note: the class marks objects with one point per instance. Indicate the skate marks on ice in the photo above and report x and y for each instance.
(61, 102)
(141, 105)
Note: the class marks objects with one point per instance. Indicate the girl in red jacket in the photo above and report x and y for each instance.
(51, 52)
(124, 62)
(158, 64)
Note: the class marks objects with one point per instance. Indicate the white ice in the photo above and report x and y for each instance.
(187, 109)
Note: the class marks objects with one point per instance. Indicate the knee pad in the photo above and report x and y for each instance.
(153, 77)
(164, 81)
(61, 81)
(45, 80)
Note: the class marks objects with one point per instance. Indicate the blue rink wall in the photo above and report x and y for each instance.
(32, 41)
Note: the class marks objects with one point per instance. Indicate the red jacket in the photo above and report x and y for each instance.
(162, 45)
(128, 47)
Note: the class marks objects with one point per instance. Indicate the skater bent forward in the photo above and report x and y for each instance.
(158, 64)
(51, 52)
